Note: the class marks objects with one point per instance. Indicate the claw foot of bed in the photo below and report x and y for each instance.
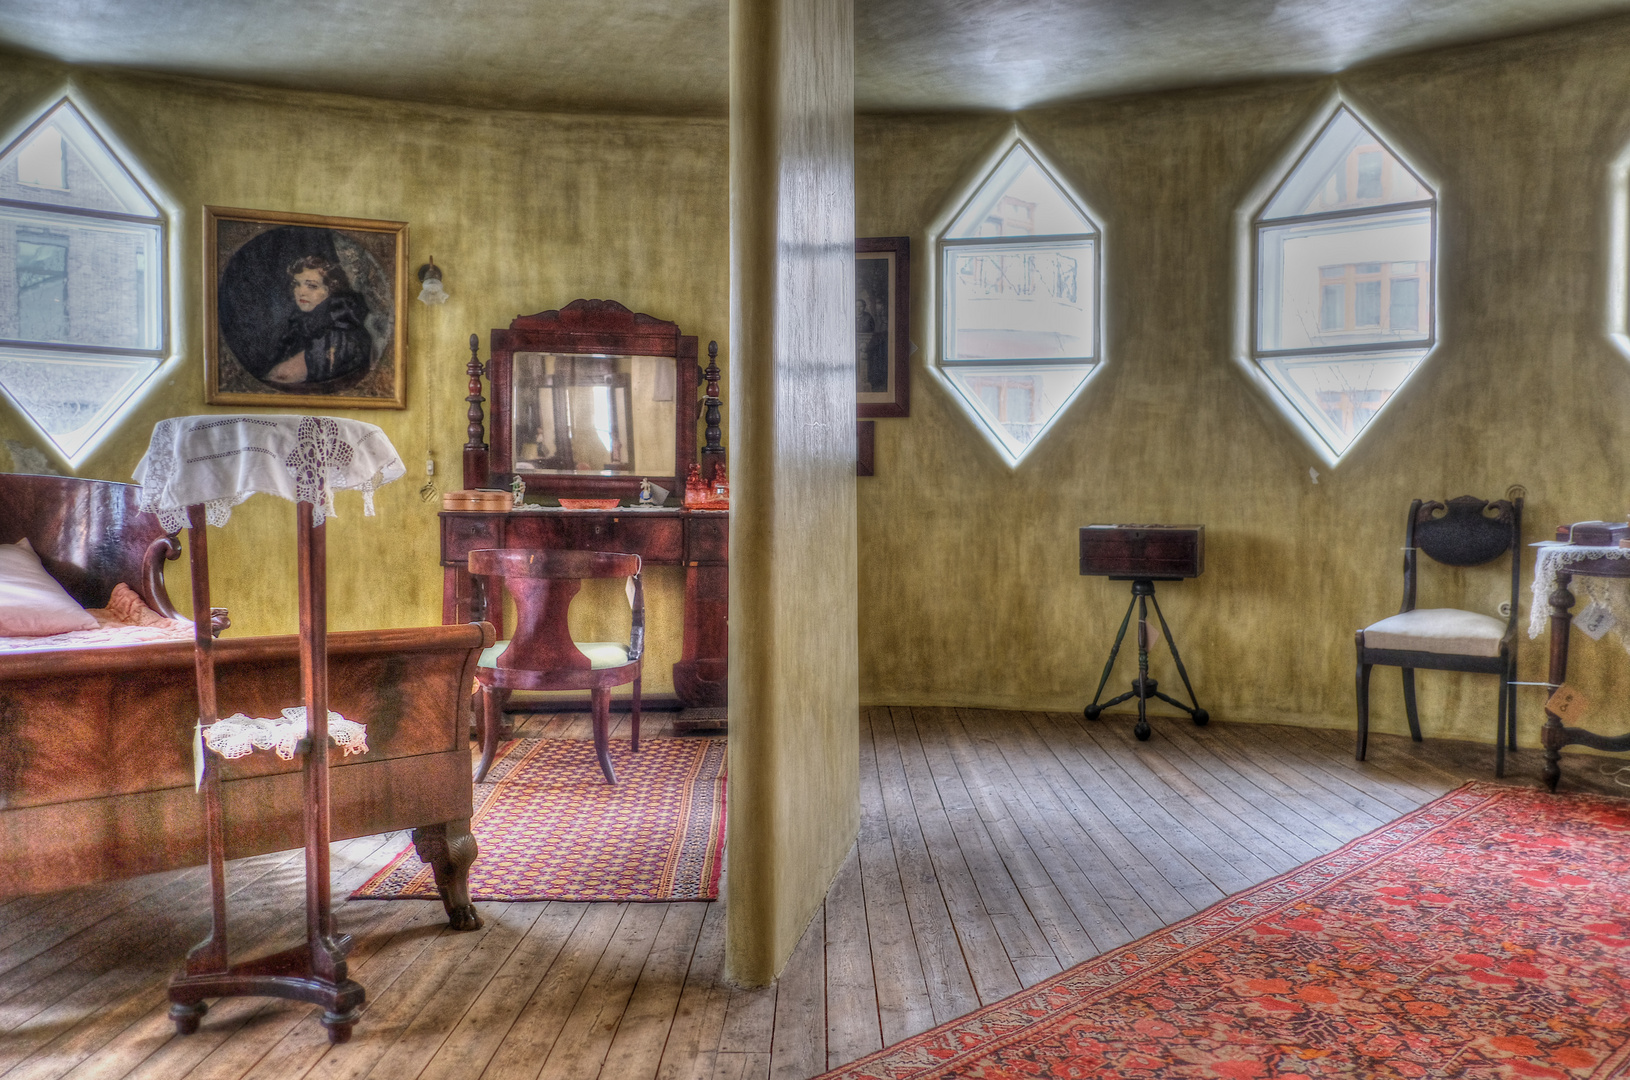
(449, 849)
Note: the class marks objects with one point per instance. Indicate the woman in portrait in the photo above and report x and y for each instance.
(326, 338)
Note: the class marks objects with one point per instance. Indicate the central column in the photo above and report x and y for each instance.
(794, 671)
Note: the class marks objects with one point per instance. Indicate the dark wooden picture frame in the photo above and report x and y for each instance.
(260, 266)
(882, 326)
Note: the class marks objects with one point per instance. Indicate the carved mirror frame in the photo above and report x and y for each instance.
(590, 328)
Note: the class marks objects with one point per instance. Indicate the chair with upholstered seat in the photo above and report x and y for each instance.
(542, 654)
(1463, 532)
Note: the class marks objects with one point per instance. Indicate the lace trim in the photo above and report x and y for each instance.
(237, 735)
(1551, 560)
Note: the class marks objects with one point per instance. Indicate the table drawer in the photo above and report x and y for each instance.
(464, 533)
(707, 539)
(657, 541)
(542, 532)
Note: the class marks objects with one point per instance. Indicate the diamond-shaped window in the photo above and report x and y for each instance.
(1344, 283)
(1019, 300)
(82, 267)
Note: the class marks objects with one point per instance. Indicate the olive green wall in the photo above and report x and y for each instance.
(794, 684)
(522, 211)
(969, 592)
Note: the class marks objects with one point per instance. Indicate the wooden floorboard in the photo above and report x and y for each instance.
(995, 849)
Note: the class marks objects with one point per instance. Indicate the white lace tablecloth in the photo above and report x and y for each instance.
(1611, 593)
(222, 460)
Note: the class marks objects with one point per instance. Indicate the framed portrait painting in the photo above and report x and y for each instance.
(882, 326)
(304, 311)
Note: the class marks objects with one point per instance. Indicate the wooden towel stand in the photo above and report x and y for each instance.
(315, 970)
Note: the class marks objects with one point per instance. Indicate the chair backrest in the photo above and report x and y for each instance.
(1465, 531)
(543, 583)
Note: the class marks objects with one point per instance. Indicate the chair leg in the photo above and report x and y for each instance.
(635, 721)
(1363, 679)
(1501, 720)
(492, 720)
(601, 700)
(1409, 704)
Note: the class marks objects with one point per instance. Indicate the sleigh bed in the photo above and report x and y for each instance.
(96, 767)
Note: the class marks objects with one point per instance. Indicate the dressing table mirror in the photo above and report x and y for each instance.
(589, 400)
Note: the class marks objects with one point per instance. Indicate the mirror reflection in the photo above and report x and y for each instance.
(593, 415)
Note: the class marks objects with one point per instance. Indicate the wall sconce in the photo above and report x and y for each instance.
(430, 277)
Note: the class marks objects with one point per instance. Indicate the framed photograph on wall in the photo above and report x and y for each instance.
(304, 311)
(882, 326)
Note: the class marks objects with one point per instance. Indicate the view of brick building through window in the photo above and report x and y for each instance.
(1344, 279)
(81, 283)
(1019, 300)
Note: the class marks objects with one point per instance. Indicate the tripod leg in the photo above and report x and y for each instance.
(1142, 687)
(1201, 717)
(1091, 712)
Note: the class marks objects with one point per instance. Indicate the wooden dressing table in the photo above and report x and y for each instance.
(581, 408)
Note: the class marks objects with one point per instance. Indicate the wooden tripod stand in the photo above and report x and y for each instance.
(1143, 687)
(314, 971)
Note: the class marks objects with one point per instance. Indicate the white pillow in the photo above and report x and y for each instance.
(32, 604)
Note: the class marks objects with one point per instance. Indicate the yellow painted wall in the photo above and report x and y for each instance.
(969, 592)
(794, 758)
(522, 211)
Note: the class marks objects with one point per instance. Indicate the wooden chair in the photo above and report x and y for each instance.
(542, 654)
(1462, 532)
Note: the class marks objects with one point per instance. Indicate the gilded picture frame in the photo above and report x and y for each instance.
(882, 326)
(304, 311)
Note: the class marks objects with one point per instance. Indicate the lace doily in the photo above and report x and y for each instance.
(220, 461)
(238, 735)
(1611, 593)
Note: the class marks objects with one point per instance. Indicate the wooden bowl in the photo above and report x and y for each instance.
(589, 504)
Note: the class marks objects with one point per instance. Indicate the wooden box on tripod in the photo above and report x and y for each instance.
(1157, 552)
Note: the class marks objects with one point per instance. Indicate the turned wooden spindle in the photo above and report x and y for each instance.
(712, 453)
(475, 449)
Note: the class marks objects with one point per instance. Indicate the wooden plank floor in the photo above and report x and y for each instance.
(995, 849)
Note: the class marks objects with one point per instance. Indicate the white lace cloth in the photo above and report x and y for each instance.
(1611, 593)
(220, 461)
(237, 735)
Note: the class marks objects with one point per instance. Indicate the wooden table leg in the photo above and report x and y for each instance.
(210, 955)
(1552, 735)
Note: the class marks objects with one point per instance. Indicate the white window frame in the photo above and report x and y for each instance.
(164, 269)
(1248, 226)
(934, 241)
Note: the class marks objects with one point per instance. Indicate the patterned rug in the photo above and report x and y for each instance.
(550, 828)
(1486, 934)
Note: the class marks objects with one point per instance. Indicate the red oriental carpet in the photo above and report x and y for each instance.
(1486, 934)
(550, 828)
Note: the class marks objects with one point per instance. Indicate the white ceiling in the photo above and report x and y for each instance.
(670, 56)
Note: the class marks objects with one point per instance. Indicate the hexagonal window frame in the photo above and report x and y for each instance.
(74, 206)
(977, 359)
(1363, 217)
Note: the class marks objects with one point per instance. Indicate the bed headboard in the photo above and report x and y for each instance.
(89, 535)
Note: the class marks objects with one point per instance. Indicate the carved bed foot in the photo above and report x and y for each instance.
(449, 849)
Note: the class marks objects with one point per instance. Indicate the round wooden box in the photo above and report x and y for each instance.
(474, 499)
